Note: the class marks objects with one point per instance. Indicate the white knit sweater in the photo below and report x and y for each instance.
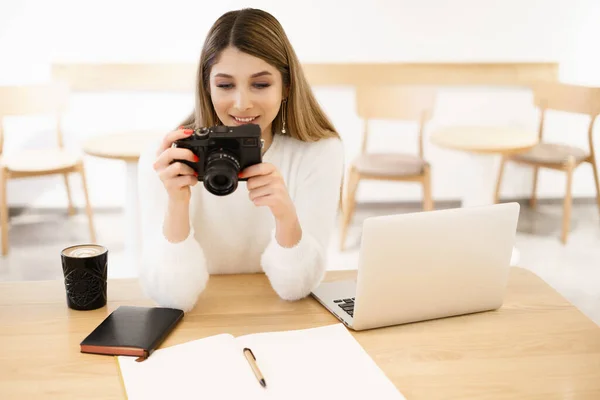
(230, 234)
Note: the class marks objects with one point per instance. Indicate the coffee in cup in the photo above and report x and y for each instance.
(85, 270)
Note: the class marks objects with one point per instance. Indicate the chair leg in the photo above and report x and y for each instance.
(4, 210)
(353, 180)
(70, 199)
(533, 198)
(596, 181)
(427, 199)
(499, 180)
(568, 201)
(88, 206)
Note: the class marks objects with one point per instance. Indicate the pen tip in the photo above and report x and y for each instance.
(263, 383)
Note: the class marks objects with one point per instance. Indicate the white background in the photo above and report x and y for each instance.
(34, 34)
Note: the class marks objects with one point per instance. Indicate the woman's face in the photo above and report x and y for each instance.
(245, 89)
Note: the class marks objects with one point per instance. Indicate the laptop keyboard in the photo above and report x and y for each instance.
(346, 305)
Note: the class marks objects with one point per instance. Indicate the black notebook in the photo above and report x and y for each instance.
(132, 331)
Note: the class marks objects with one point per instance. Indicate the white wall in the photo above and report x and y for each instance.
(34, 34)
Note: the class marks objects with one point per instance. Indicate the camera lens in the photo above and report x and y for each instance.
(220, 181)
(221, 176)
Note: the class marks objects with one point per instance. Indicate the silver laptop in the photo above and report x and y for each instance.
(426, 265)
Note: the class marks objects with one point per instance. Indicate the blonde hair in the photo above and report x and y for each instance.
(259, 34)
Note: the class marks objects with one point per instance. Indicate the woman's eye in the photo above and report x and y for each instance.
(225, 85)
(261, 85)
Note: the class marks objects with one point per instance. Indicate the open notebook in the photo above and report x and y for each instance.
(317, 363)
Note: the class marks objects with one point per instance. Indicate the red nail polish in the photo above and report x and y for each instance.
(239, 174)
(188, 131)
(196, 159)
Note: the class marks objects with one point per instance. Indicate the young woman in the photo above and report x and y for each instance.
(280, 220)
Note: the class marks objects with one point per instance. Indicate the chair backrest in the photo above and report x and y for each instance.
(568, 98)
(37, 99)
(396, 102)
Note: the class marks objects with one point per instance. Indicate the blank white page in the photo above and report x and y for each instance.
(209, 368)
(317, 363)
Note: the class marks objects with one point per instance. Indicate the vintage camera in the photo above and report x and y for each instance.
(223, 152)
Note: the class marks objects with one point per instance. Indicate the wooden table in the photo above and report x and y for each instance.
(127, 147)
(538, 346)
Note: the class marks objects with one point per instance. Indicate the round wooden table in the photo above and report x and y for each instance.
(484, 147)
(127, 147)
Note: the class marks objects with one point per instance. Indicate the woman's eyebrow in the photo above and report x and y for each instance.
(262, 73)
(256, 75)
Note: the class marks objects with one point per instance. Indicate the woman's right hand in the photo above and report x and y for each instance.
(176, 177)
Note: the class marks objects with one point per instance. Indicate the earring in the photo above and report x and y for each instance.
(283, 115)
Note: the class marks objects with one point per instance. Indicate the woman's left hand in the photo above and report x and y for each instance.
(267, 188)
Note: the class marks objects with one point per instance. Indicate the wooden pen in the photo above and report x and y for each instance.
(252, 361)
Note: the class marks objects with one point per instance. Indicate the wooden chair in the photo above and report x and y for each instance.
(407, 103)
(557, 156)
(42, 99)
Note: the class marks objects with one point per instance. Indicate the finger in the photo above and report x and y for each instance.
(261, 191)
(258, 169)
(171, 154)
(173, 136)
(176, 169)
(258, 181)
(181, 182)
(268, 200)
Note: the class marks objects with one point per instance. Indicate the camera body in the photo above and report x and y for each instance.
(223, 151)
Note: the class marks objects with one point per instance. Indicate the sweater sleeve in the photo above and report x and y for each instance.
(171, 274)
(295, 271)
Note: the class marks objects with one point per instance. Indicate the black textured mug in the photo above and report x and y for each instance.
(85, 272)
